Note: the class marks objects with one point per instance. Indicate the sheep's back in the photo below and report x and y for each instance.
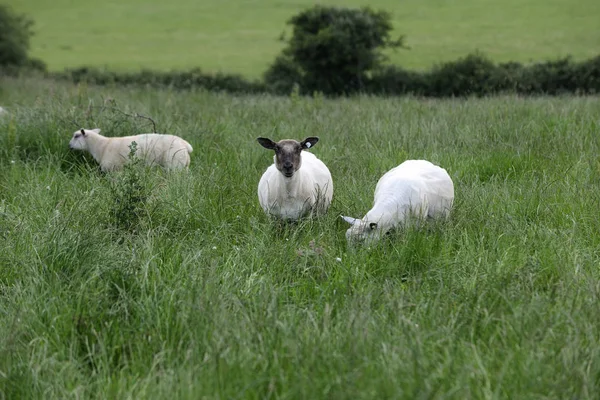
(415, 182)
(166, 150)
(416, 172)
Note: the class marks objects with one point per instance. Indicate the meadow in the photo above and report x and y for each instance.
(202, 296)
(243, 36)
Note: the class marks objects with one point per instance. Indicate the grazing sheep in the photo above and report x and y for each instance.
(171, 152)
(297, 184)
(414, 189)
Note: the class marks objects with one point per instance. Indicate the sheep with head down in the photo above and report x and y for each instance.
(416, 189)
(297, 184)
(168, 151)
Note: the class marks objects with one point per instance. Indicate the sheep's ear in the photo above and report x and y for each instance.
(349, 220)
(266, 143)
(373, 225)
(309, 142)
(83, 131)
(96, 130)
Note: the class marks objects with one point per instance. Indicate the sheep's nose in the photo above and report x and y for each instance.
(287, 165)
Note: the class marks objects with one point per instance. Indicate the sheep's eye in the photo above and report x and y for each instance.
(77, 135)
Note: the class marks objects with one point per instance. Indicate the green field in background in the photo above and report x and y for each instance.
(242, 36)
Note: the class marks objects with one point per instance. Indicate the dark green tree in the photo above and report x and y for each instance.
(15, 33)
(332, 50)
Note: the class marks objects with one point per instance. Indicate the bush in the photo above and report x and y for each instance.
(471, 75)
(547, 77)
(588, 76)
(561, 76)
(15, 33)
(175, 79)
(476, 75)
(393, 80)
(332, 50)
(283, 75)
(507, 76)
(130, 192)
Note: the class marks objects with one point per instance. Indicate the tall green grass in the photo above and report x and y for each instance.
(207, 298)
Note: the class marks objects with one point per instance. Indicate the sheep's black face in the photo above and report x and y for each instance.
(288, 157)
(288, 153)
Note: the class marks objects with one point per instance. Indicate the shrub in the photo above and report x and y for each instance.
(130, 192)
(507, 76)
(332, 50)
(15, 34)
(587, 75)
(471, 75)
(393, 80)
(283, 75)
(477, 75)
(194, 78)
(552, 77)
(15, 31)
(561, 76)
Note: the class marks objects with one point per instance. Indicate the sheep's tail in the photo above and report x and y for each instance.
(189, 147)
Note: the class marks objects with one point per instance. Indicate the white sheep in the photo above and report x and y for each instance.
(297, 184)
(3, 111)
(414, 189)
(171, 152)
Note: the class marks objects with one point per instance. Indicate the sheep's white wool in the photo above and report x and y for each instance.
(310, 189)
(414, 189)
(169, 151)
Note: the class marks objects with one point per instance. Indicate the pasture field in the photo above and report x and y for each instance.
(242, 36)
(203, 297)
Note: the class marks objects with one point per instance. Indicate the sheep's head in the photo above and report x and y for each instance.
(362, 231)
(79, 142)
(287, 153)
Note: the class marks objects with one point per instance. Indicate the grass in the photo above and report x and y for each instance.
(203, 297)
(242, 36)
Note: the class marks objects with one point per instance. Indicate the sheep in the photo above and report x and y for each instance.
(297, 184)
(3, 111)
(414, 189)
(171, 152)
